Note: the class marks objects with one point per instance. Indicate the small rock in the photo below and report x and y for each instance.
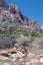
(13, 55)
(14, 59)
(4, 58)
(30, 55)
(27, 63)
(5, 64)
(41, 60)
(35, 63)
(21, 60)
(34, 60)
(22, 63)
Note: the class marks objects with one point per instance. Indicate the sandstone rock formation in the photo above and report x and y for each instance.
(3, 4)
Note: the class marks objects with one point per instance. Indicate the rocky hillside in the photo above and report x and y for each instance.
(12, 15)
(13, 23)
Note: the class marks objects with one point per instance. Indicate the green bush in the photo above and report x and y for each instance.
(25, 33)
(35, 34)
(24, 40)
(11, 43)
(10, 29)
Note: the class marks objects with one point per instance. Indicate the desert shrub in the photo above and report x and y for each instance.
(7, 40)
(5, 32)
(25, 33)
(11, 43)
(41, 43)
(10, 29)
(23, 40)
(37, 42)
(35, 34)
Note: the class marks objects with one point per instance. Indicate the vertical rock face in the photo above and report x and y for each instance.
(11, 13)
(3, 4)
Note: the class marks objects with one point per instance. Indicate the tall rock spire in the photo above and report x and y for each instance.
(3, 4)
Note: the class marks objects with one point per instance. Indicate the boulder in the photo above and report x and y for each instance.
(19, 54)
(30, 55)
(4, 58)
(12, 51)
(4, 53)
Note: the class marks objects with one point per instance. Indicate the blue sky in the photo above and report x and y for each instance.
(33, 9)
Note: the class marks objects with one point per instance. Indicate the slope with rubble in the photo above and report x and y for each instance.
(13, 25)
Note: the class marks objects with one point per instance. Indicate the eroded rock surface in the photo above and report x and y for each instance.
(32, 58)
